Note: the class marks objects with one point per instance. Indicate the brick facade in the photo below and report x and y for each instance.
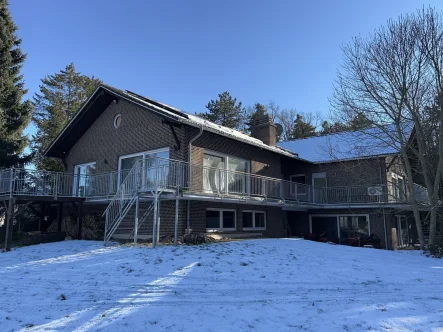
(142, 130)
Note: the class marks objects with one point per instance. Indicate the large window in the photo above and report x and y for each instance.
(398, 187)
(83, 181)
(353, 226)
(154, 168)
(220, 220)
(254, 220)
(225, 174)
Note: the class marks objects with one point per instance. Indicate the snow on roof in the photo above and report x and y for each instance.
(349, 145)
(195, 121)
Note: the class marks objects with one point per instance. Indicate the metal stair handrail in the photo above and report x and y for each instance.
(122, 200)
(142, 219)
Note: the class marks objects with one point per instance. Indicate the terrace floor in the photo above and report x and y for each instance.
(253, 285)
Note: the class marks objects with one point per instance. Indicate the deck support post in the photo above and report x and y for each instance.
(9, 224)
(79, 220)
(59, 217)
(158, 222)
(176, 219)
(154, 226)
(41, 219)
(137, 205)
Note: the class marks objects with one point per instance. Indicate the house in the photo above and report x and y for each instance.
(155, 170)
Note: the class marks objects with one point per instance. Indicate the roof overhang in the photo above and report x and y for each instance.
(80, 123)
(104, 95)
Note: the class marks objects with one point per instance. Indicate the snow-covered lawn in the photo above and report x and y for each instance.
(257, 285)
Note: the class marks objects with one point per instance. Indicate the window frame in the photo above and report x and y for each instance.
(396, 188)
(221, 228)
(254, 228)
(136, 154)
(75, 185)
(226, 170)
(116, 118)
(317, 194)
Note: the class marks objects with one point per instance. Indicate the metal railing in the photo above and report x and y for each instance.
(160, 173)
(122, 201)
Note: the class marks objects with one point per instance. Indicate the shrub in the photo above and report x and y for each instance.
(435, 250)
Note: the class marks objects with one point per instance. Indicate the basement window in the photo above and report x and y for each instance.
(220, 220)
(254, 220)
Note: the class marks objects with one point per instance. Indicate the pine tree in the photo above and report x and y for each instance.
(14, 112)
(332, 128)
(358, 122)
(252, 113)
(302, 129)
(224, 111)
(60, 96)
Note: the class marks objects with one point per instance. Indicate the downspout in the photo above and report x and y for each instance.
(188, 209)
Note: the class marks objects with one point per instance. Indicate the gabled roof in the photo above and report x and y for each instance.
(105, 95)
(366, 143)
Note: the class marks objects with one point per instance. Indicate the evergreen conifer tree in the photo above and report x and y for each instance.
(302, 129)
(60, 96)
(14, 112)
(224, 111)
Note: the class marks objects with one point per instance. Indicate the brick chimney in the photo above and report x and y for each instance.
(263, 129)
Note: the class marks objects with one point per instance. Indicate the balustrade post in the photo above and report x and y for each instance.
(56, 185)
(11, 181)
(282, 195)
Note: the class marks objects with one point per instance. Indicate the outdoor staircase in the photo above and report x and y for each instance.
(126, 228)
(121, 213)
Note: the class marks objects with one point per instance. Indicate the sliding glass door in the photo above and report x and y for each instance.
(225, 174)
(319, 187)
(83, 182)
(153, 170)
(213, 173)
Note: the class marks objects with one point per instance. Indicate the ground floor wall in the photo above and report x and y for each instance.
(279, 223)
(276, 221)
(381, 223)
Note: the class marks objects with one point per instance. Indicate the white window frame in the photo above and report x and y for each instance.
(394, 188)
(144, 154)
(338, 220)
(293, 189)
(226, 161)
(221, 220)
(254, 228)
(76, 179)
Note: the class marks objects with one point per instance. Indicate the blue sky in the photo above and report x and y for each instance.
(185, 53)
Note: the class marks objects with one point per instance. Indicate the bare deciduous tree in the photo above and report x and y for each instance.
(393, 77)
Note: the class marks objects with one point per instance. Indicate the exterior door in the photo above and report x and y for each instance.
(319, 187)
(83, 182)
